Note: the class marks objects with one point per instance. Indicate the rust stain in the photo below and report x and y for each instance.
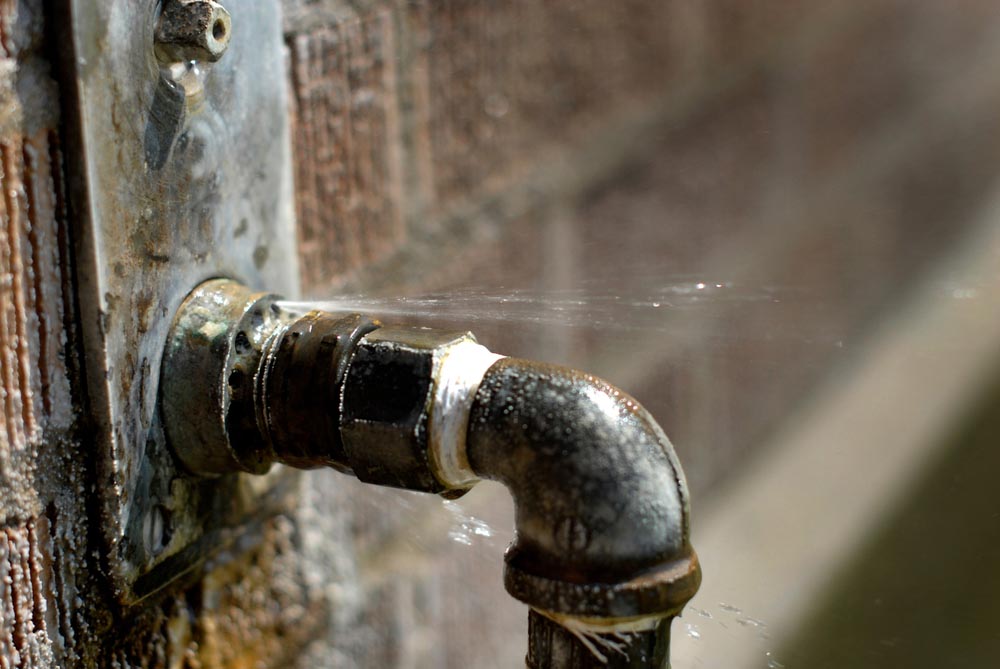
(251, 610)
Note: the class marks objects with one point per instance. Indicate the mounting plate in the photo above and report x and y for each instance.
(183, 174)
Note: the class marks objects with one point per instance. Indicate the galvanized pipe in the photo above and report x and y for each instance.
(602, 544)
(602, 550)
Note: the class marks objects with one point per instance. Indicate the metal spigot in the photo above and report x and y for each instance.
(192, 30)
(602, 550)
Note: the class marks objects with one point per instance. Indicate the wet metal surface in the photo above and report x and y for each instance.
(602, 505)
(184, 176)
(207, 378)
(387, 405)
(552, 646)
(602, 548)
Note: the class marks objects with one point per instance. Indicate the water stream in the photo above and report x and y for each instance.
(587, 306)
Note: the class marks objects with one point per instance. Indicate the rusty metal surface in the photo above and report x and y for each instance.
(191, 30)
(246, 384)
(184, 176)
(209, 365)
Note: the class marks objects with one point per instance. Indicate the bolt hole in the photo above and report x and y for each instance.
(242, 343)
(219, 29)
(236, 379)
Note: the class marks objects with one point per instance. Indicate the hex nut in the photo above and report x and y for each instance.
(386, 405)
(192, 30)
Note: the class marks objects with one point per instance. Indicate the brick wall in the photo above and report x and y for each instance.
(45, 567)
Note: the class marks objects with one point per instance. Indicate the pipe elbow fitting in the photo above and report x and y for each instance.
(601, 505)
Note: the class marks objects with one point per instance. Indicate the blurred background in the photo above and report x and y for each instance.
(777, 224)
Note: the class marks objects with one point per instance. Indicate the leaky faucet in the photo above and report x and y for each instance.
(601, 553)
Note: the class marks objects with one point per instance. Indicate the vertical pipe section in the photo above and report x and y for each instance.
(552, 645)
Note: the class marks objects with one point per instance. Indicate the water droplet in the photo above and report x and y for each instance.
(692, 631)
(750, 622)
(466, 527)
(496, 105)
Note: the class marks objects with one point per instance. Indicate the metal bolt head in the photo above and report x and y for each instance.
(386, 402)
(189, 30)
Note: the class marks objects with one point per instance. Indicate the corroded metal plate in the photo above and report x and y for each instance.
(184, 174)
